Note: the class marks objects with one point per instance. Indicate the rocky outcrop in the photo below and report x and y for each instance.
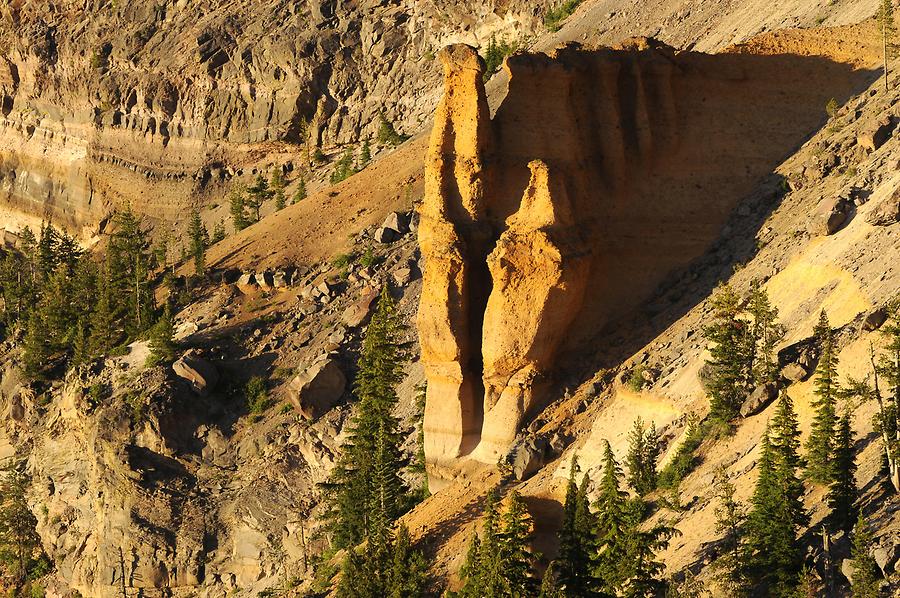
(544, 224)
(318, 389)
(147, 102)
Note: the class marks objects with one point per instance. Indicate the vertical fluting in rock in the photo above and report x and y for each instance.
(454, 240)
(539, 270)
(601, 173)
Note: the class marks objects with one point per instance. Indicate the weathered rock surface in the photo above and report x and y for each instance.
(830, 216)
(318, 389)
(886, 212)
(196, 371)
(145, 102)
(525, 211)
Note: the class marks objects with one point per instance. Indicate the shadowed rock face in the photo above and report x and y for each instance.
(601, 172)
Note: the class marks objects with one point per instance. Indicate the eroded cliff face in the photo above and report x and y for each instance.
(158, 103)
(602, 172)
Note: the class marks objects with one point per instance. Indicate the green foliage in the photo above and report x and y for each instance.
(199, 240)
(831, 108)
(820, 445)
(130, 262)
(742, 351)
(344, 168)
(365, 491)
(555, 17)
(238, 201)
(20, 546)
(729, 356)
(643, 452)
(494, 55)
(319, 156)
(300, 193)
(257, 195)
(572, 573)
(387, 135)
(500, 563)
(777, 514)
(842, 493)
(887, 30)
(866, 576)
(636, 379)
(162, 345)
(277, 185)
(218, 233)
(256, 395)
(685, 458)
(730, 568)
(365, 154)
(368, 259)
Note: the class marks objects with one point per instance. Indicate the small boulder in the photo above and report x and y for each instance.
(875, 319)
(527, 457)
(396, 222)
(759, 399)
(794, 372)
(876, 135)
(318, 389)
(247, 281)
(402, 276)
(199, 373)
(886, 212)
(829, 216)
(358, 312)
(265, 280)
(280, 280)
(386, 235)
(324, 289)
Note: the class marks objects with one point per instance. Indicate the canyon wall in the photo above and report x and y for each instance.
(158, 104)
(602, 171)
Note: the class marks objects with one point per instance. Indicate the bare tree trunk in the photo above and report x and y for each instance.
(884, 46)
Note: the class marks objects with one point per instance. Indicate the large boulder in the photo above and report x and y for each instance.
(527, 457)
(794, 372)
(758, 400)
(199, 373)
(875, 319)
(875, 135)
(397, 222)
(359, 311)
(886, 555)
(886, 212)
(318, 389)
(829, 216)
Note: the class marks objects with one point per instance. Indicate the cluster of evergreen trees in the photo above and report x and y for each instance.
(21, 557)
(71, 307)
(366, 494)
(246, 203)
(742, 354)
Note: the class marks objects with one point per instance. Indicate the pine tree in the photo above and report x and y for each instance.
(470, 572)
(104, 335)
(365, 154)
(129, 268)
(729, 567)
(516, 557)
(238, 202)
(807, 585)
(887, 421)
(820, 445)
(343, 168)
(387, 135)
(197, 232)
(218, 232)
(162, 346)
(643, 451)
(765, 334)
(18, 538)
(257, 195)
(777, 512)
(362, 486)
(574, 564)
(409, 571)
(865, 583)
(842, 492)
(729, 380)
(277, 185)
(300, 193)
(36, 348)
(611, 526)
(642, 567)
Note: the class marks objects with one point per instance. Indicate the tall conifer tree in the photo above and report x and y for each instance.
(820, 445)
